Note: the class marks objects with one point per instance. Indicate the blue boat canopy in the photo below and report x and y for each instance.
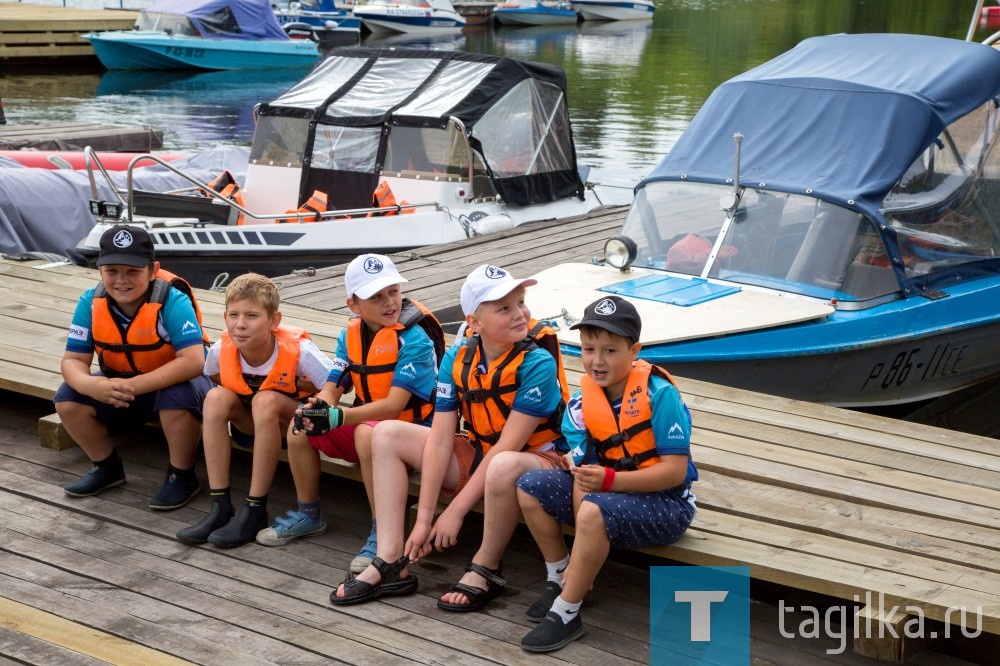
(870, 104)
(215, 19)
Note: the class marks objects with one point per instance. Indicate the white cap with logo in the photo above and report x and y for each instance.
(369, 274)
(488, 283)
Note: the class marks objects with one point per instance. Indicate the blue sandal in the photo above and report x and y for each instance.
(477, 596)
(358, 591)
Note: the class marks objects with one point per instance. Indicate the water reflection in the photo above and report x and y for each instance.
(632, 87)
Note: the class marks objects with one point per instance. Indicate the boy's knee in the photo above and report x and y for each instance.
(505, 469)
(590, 519)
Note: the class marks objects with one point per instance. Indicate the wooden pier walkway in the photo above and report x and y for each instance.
(34, 34)
(827, 507)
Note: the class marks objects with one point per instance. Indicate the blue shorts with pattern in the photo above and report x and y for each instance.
(633, 520)
(188, 395)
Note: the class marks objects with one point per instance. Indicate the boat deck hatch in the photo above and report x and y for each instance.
(671, 290)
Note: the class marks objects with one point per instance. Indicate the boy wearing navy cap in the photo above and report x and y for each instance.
(144, 327)
(629, 433)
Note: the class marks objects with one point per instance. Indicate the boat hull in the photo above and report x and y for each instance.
(135, 49)
(534, 16)
(408, 20)
(603, 10)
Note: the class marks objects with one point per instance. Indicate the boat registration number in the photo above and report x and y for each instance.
(186, 52)
(916, 364)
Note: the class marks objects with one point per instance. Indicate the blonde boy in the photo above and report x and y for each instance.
(624, 491)
(386, 355)
(263, 369)
(506, 390)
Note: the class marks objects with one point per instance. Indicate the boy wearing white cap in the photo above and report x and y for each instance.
(388, 355)
(506, 389)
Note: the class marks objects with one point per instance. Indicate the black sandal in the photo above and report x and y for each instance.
(477, 596)
(358, 591)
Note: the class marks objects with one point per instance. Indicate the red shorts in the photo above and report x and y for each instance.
(339, 442)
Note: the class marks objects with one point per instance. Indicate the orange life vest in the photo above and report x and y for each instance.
(282, 375)
(625, 443)
(373, 365)
(127, 350)
(384, 198)
(486, 406)
(226, 185)
(316, 204)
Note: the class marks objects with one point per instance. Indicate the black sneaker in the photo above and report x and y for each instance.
(552, 633)
(177, 490)
(198, 533)
(241, 529)
(536, 611)
(96, 480)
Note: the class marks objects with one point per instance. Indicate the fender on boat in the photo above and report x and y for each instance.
(73, 159)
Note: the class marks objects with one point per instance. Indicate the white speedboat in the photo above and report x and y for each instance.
(614, 10)
(409, 16)
(467, 144)
(826, 229)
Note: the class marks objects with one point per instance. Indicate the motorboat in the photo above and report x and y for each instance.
(827, 228)
(203, 35)
(467, 144)
(409, 16)
(532, 12)
(614, 10)
(320, 20)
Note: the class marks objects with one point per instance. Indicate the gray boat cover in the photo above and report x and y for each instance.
(44, 210)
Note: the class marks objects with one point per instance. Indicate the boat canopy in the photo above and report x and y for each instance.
(840, 117)
(896, 132)
(213, 19)
(497, 123)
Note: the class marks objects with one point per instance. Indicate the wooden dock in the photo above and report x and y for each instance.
(38, 34)
(827, 507)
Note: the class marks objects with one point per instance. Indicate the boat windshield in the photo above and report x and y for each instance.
(280, 141)
(946, 207)
(789, 242)
(174, 24)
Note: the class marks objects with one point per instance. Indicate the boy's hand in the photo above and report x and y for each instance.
(318, 418)
(418, 544)
(588, 478)
(114, 392)
(444, 534)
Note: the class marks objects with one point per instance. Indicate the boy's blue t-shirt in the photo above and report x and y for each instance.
(177, 323)
(538, 392)
(671, 423)
(414, 365)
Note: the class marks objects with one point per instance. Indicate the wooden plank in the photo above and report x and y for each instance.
(26, 620)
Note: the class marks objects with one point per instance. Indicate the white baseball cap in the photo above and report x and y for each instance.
(489, 283)
(369, 274)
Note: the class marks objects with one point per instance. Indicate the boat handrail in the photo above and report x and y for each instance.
(127, 200)
(975, 21)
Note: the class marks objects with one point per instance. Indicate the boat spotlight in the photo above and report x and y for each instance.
(620, 252)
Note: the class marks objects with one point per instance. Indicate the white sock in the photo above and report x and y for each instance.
(556, 569)
(565, 611)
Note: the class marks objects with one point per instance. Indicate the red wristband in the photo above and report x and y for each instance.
(609, 478)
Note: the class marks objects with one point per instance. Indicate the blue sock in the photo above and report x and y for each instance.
(311, 509)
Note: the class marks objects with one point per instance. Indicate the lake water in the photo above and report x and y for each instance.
(633, 86)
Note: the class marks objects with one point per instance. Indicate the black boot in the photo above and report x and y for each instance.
(252, 518)
(218, 515)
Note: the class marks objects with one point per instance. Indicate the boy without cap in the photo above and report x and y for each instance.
(629, 432)
(263, 369)
(145, 329)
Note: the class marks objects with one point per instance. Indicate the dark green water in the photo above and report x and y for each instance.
(633, 87)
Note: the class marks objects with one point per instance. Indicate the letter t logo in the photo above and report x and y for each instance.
(701, 610)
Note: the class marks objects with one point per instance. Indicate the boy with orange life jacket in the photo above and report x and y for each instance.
(629, 433)
(144, 326)
(263, 370)
(506, 389)
(388, 354)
